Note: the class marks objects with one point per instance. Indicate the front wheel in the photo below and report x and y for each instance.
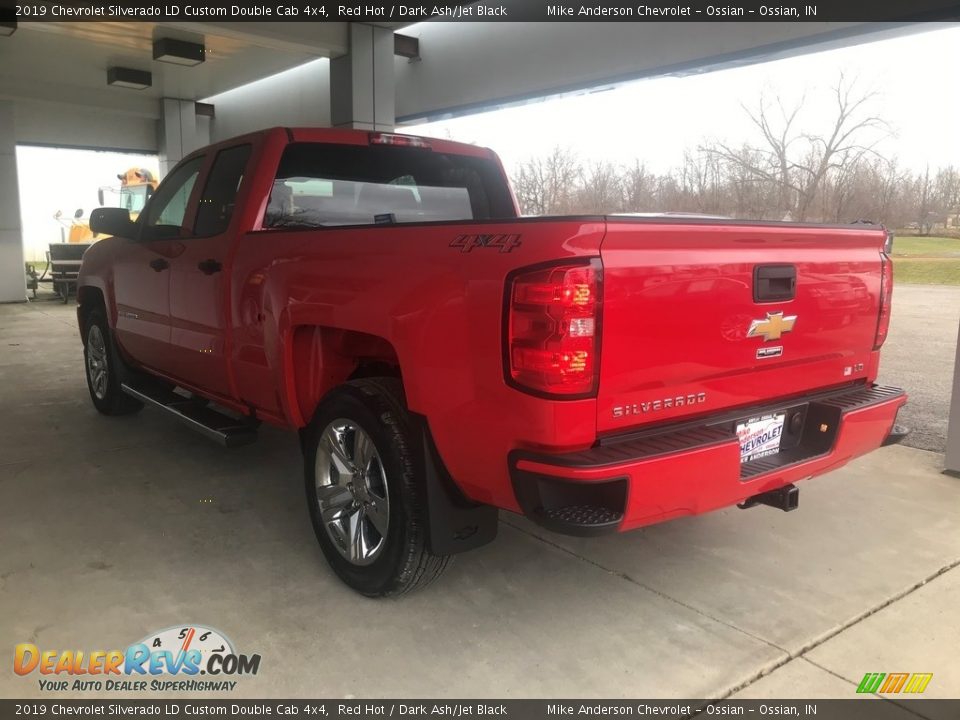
(363, 470)
(102, 366)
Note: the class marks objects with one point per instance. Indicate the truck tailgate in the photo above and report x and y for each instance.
(691, 324)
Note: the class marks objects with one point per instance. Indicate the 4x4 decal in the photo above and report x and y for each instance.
(503, 242)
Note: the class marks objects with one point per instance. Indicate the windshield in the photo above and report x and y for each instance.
(320, 185)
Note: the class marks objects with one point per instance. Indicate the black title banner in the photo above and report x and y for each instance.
(878, 709)
(485, 11)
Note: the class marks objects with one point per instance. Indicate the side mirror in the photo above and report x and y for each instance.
(112, 221)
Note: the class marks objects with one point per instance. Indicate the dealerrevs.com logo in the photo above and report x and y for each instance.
(170, 660)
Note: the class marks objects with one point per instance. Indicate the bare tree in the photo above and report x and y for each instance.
(924, 194)
(889, 181)
(796, 163)
(771, 162)
(601, 190)
(548, 185)
(947, 194)
(791, 173)
(639, 188)
(701, 180)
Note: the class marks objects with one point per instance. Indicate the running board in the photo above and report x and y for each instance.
(226, 430)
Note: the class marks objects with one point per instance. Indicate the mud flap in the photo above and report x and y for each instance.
(456, 523)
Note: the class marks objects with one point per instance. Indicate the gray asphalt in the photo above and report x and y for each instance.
(919, 356)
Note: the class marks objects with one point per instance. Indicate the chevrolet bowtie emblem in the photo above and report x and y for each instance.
(772, 326)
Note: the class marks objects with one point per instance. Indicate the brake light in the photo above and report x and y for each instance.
(886, 295)
(398, 140)
(553, 329)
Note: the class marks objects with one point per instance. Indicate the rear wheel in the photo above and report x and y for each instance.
(102, 364)
(363, 470)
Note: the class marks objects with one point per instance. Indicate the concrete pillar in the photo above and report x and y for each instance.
(952, 459)
(361, 82)
(13, 285)
(181, 132)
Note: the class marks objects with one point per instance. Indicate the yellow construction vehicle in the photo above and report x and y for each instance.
(63, 258)
(74, 230)
(136, 187)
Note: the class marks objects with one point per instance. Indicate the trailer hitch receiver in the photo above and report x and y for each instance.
(786, 498)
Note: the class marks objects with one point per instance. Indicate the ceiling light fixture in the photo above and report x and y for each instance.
(129, 78)
(406, 46)
(178, 52)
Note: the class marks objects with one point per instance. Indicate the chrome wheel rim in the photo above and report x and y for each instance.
(351, 492)
(97, 370)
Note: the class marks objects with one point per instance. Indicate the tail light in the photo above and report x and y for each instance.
(552, 330)
(886, 295)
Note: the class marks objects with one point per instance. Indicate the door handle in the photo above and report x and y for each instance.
(209, 267)
(159, 264)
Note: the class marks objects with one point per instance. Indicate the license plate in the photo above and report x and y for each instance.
(760, 436)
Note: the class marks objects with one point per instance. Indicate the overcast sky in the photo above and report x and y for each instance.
(917, 78)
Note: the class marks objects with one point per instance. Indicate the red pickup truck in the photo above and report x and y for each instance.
(443, 358)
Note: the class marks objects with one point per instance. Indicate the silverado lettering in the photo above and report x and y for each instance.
(666, 403)
(303, 278)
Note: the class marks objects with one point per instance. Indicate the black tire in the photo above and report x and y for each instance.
(403, 561)
(105, 393)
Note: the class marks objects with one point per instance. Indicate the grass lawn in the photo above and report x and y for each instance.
(926, 271)
(926, 247)
(926, 260)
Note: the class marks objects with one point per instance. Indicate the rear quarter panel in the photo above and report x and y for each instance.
(439, 307)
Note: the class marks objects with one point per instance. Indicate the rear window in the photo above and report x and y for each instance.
(321, 185)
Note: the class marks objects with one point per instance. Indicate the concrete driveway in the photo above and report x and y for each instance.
(111, 528)
(919, 356)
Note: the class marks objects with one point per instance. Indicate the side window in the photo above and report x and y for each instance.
(168, 207)
(220, 194)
